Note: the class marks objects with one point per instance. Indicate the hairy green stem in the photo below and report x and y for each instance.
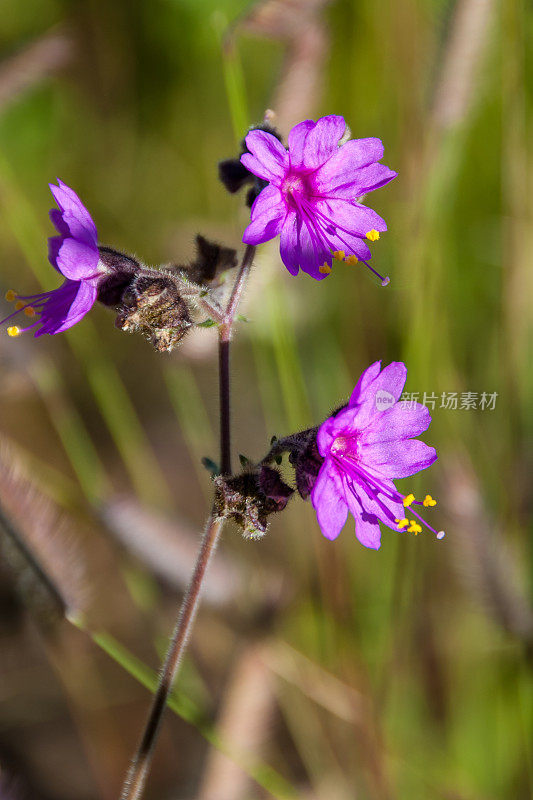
(136, 778)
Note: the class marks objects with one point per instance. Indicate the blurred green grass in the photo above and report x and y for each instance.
(136, 124)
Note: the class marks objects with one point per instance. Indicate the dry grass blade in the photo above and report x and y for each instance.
(169, 548)
(39, 59)
(299, 23)
(244, 724)
(484, 563)
(340, 699)
(39, 541)
(461, 64)
(325, 689)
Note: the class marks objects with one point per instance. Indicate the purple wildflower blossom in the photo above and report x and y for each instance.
(74, 254)
(313, 195)
(365, 446)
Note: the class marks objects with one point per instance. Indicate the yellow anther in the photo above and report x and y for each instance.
(408, 500)
(339, 255)
(325, 269)
(401, 523)
(19, 305)
(10, 295)
(13, 331)
(428, 501)
(351, 259)
(372, 235)
(29, 311)
(414, 527)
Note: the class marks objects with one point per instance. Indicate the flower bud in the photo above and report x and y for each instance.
(250, 498)
(234, 174)
(306, 463)
(120, 271)
(152, 305)
(211, 259)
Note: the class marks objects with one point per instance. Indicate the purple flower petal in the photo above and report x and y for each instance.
(57, 219)
(364, 381)
(81, 305)
(381, 393)
(361, 508)
(288, 244)
(65, 306)
(367, 530)
(403, 421)
(359, 153)
(381, 502)
(268, 158)
(327, 433)
(346, 175)
(322, 140)
(400, 458)
(297, 138)
(54, 246)
(370, 178)
(268, 214)
(355, 219)
(331, 510)
(301, 248)
(75, 216)
(76, 260)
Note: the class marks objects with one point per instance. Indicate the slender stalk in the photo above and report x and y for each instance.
(225, 408)
(138, 772)
(135, 782)
(238, 287)
(225, 331)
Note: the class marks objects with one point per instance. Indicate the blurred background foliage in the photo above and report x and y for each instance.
(316, 670)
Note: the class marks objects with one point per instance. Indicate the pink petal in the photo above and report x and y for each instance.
(267, 216)
(322, 141)
(347, 175)
(301, 248)
(66, 306)
(75, 216)
(381, 393)
(268, 159)
(351, 244)
(400, 458)
(381, 502)
(368, 531)
(328, 502)
(365, 380)
(288, 244)
(366, 522)
(351, 217)
(297, 138)
(83, 302)
(77, 260)
(370, 178)
(403, 421)
(327, 432)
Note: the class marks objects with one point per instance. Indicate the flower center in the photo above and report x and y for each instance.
(296, 187)
(344, 445)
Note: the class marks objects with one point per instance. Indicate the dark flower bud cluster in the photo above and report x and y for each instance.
(234, 174)
(251, 497)
(153, 305)
(211, 260)
(163, 304)
(306, 461)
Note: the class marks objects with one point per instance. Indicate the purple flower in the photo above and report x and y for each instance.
(365, 446)
(313, 195)
(74, 253)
